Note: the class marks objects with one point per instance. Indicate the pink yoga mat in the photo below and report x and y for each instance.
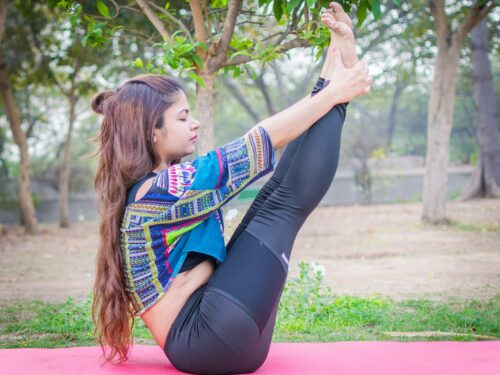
(338, 358)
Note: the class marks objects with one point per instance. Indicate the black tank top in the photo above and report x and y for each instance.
(193, 258)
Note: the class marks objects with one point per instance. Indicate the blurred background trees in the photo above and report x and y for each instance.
(242, 61)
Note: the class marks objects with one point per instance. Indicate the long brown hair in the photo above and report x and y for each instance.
(127, 153)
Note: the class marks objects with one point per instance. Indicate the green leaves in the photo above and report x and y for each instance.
(218, 4)
(198, 60)
(361, 13)
(138, 63)
(180, 55)
(243, 46)
(291, 5)
(305, 296)
(95, 34)
(374, 6)
(102, 9)
(364, 6)
(197, 78)
(278, 9)
(284, 7)
(75, 14)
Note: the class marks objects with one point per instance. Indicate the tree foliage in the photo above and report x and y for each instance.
(183, 41)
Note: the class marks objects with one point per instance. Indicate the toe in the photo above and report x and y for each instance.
(336, 7)
(339, 28)
(332, 24)
(327, 17)
(328, 13)
(339, 13)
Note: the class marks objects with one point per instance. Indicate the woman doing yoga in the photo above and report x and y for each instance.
(210, 307)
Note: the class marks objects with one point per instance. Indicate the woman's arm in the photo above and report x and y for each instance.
(285, 126)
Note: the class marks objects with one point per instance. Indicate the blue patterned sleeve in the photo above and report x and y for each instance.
(211, 180)
(236, 164)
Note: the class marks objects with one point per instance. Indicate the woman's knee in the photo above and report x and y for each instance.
(178, 356)
(300, 201)
(256, 362)
(269, 187)
(229, 318)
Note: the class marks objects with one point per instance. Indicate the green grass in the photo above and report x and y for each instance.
(307, 312)
(458, 225)
(248, 194)
(310, 312)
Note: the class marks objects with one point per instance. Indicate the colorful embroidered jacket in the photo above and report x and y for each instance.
(181, 212)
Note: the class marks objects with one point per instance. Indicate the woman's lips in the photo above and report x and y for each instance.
(194, 138)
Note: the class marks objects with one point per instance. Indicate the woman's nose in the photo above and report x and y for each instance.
(196, 124)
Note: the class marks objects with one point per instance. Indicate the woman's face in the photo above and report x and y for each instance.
(175, 139)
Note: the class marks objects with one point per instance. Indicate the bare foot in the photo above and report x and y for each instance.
(342, 36)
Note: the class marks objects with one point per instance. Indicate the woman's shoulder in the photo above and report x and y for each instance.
(169, 183)
(175, 179)
(132, 192)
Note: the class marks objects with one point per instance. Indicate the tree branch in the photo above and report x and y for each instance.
(294, 22)
(383, 36)
(3, 17)
(157, 23)
(265, 92)
(440, 19)
(241, 99)
(473, 17)
(205, 9)
(279, 80)
(295, 43)
(173, 19)
(199, 26)
(227, 33)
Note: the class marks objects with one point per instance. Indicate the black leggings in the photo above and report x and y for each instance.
(227, 324)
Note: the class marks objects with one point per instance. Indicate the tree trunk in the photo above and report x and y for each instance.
(280, 84)
(240, 98)
(265, 93)
(26, 205)
(483, 182)
(205, 111)
(393, 111)
(439, 121)
(64, 169)
(363, 178)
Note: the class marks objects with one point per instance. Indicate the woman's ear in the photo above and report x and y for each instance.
(154, 136)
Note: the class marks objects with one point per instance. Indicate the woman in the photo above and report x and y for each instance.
(162, 257)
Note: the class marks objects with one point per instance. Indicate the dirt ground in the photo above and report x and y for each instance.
(365, 251)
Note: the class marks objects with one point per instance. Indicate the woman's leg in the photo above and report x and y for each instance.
(232, 330)
(277, 222)
(273, 182)
(227, 325)
(214, 335)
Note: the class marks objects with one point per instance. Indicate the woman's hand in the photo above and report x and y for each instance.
(346, 83)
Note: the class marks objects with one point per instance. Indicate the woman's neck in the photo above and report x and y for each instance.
(160, 167)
